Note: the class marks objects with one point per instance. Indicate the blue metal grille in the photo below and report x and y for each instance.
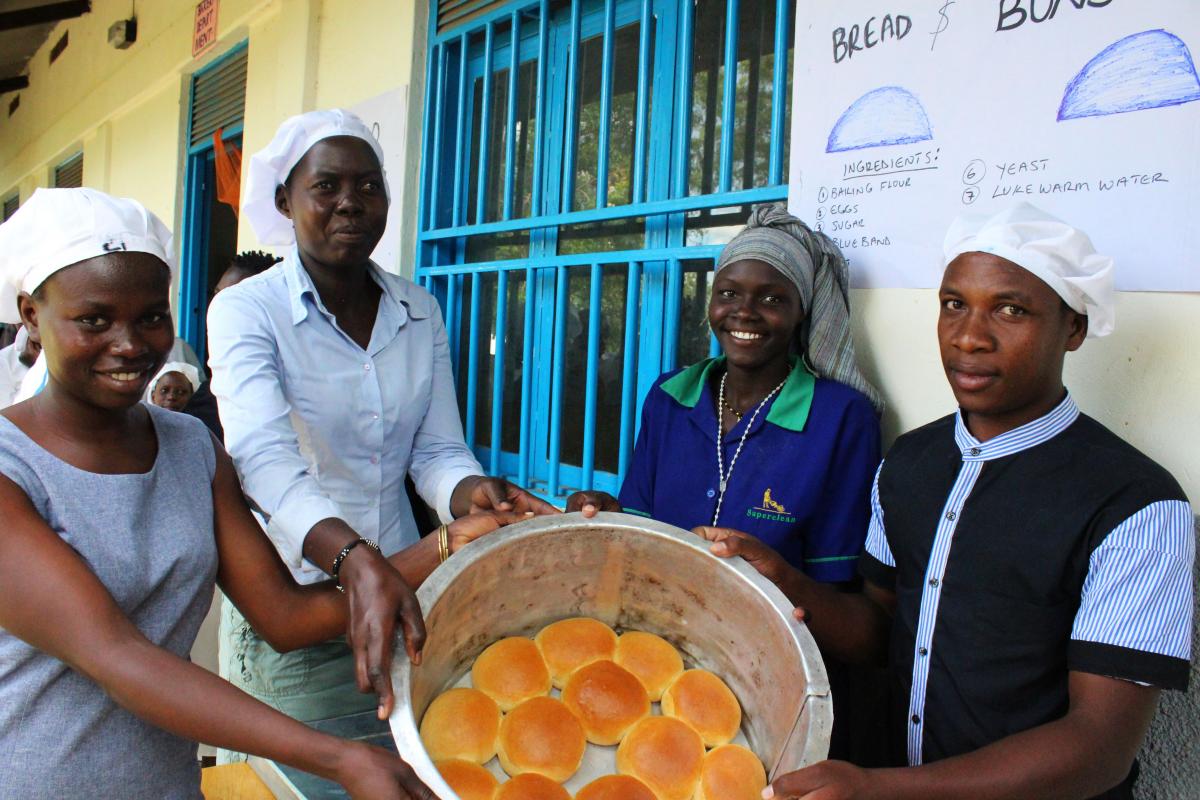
(584, 162)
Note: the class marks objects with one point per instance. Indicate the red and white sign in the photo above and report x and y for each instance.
(204, 32)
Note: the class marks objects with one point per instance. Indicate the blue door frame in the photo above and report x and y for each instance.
(199, 189)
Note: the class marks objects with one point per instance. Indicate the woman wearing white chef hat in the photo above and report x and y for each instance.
(333, 381)
(111, 545)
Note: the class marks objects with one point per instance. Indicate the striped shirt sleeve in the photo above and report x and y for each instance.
(1135, 614)
(877, 543)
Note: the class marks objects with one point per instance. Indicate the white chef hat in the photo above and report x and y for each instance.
(60, 227)
(271, 166)
(183, 368)
(1059, 254)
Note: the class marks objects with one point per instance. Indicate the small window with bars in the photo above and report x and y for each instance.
(218, 97)
(584, 163)
(11, 204)
(69, 174)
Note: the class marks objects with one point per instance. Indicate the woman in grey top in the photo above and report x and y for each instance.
(117, 519)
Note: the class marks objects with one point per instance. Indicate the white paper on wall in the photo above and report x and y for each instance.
(907, 113)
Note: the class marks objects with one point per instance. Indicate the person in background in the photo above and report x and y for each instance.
(779, 436)
(245, 265)
(333, 382)
(119, 517)
(172, 388)
(1028, 573)
(15, 362)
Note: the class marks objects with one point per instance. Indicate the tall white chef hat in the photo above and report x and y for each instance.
(1059, 254)
(56, 228)
(271, 166)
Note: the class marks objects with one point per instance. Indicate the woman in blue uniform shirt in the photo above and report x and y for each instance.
(797, 422)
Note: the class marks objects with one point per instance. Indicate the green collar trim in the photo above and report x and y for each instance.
(790, 410)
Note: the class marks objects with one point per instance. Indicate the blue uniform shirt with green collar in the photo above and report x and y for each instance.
(802, 483)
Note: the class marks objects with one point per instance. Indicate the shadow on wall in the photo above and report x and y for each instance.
(1171, 755)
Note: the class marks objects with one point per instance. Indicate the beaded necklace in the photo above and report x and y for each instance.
(721, 473)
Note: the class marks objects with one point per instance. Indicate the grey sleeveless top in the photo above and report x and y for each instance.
(149, 539)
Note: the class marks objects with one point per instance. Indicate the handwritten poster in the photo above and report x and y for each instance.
(386, 114)
(909, 112)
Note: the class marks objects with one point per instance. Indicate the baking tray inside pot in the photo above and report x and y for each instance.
(634, 574)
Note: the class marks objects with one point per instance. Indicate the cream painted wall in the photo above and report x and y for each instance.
(1142, 381)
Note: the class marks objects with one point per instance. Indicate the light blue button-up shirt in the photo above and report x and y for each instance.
(319, 427)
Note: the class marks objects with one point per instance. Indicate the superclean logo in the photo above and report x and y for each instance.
(770, 510)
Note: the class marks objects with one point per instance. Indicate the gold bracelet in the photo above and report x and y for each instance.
(443, 544)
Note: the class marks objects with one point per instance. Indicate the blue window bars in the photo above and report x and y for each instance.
(583, 163)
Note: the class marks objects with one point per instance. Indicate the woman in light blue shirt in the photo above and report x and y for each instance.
(333, 381)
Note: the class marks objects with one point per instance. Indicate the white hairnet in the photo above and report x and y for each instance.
(271, 166)
(183, 368)
(60, 227)
(1059, 254)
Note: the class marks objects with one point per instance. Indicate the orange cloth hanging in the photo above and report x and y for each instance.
(229, 171)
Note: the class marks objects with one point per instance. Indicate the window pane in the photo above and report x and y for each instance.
(525, 133)
(694, 333)
(610, 369)
(602, 237)
(753, 98)
(622, 122)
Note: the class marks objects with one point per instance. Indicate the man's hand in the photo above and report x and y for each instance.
(481, 493)
(592, 502)
(727, 543)
(828, 780)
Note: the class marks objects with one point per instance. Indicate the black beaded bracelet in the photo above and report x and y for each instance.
(341, 556)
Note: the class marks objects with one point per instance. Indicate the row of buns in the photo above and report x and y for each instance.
(729, 772)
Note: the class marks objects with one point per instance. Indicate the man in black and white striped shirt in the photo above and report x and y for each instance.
(1027, 572)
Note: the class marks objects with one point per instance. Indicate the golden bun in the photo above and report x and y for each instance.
(468, 780)
(653, 659)
(731, 772)
(510, 672)
(461, 724)
(607, 700)
(531, 786)
(615, 787)
(665, 754)
(569, 644)
(541, 735)
(702, 700)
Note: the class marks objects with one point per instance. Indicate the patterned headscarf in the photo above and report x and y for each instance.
(818, 270)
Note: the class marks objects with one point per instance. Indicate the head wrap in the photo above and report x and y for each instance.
(1051, 249)
(818, 270)
(60, 227)
(271, 166)
(183, 368)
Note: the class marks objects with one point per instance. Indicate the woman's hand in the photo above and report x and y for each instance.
(465, 530)
(372, 773)
(591, 503)
(727, 543)
(481, 493)
(378, 596)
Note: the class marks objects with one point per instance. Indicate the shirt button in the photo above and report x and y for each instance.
(924, 651)
(374, 459)
(933, 582)
(711, 493)
(366, 367)
(950, 516)
(374, 416)
(916, 719)
(974, 451)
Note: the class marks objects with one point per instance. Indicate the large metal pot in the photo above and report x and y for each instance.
(632, 573)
